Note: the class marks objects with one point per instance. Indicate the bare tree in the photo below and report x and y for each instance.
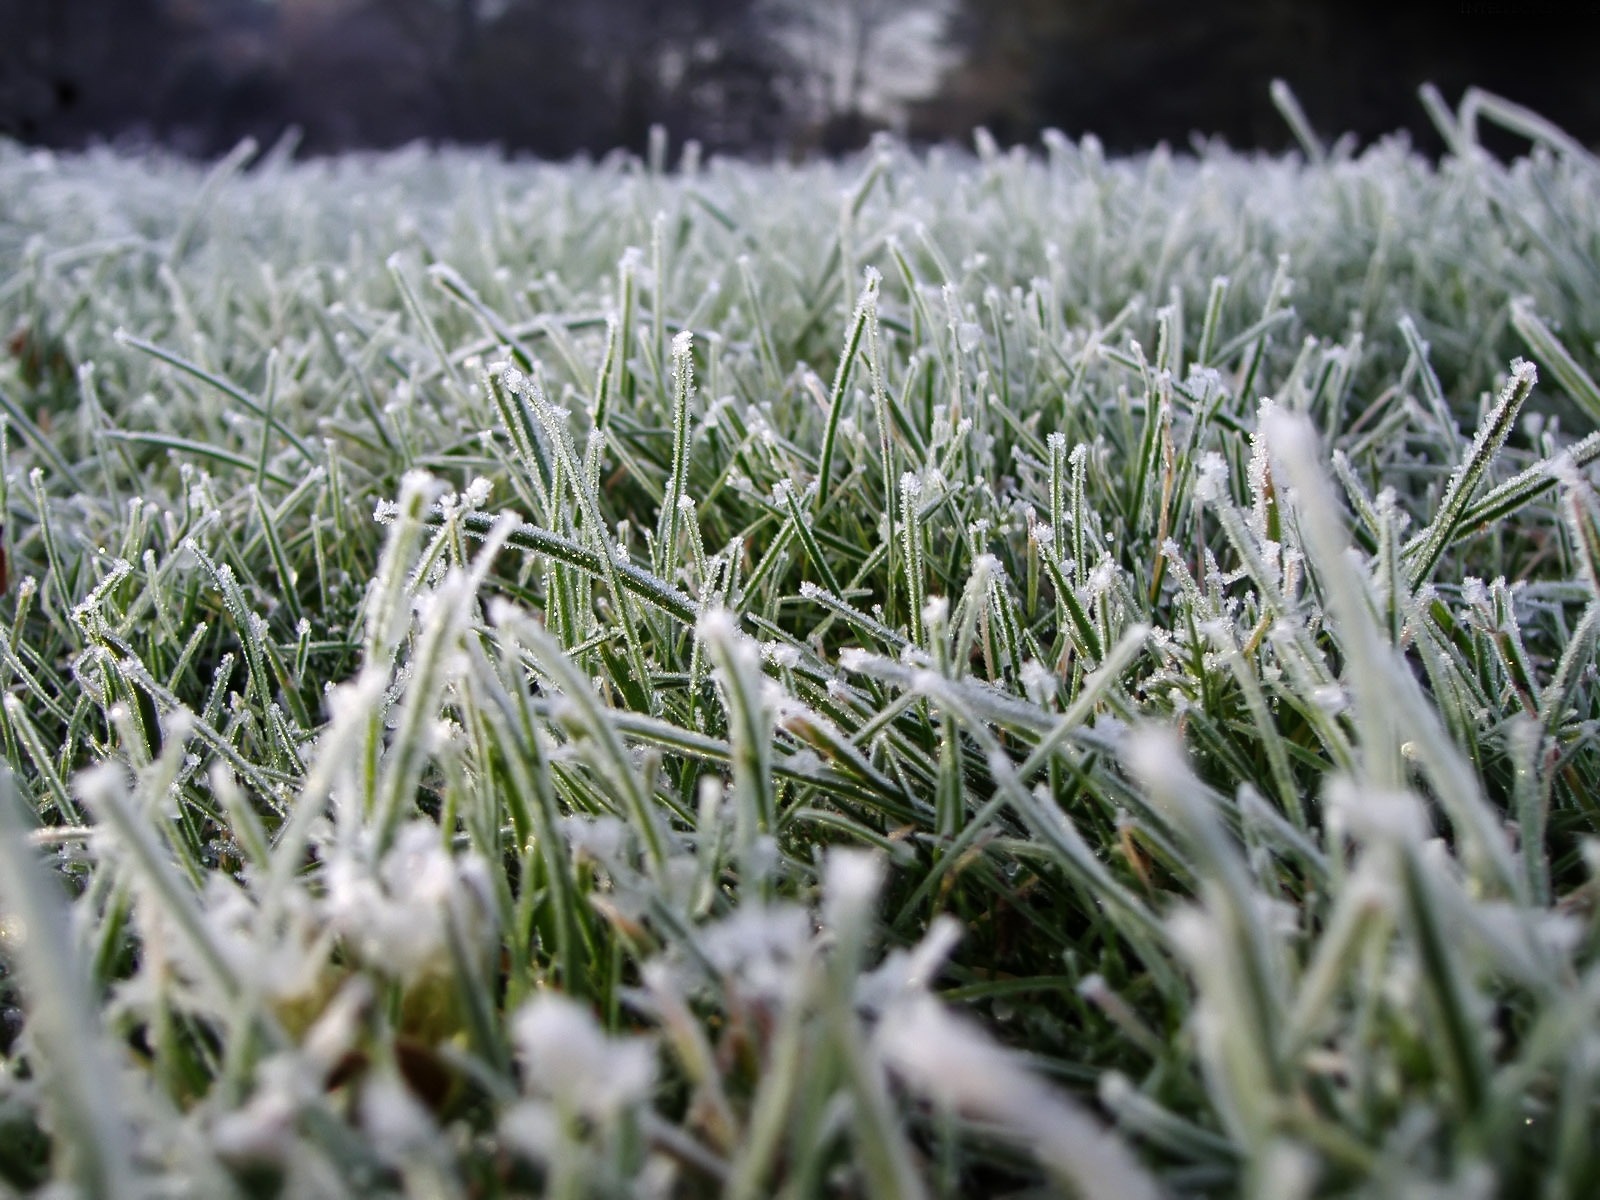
(559, 77)
(859, 62)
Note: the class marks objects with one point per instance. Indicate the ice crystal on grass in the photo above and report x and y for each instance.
(961, 1069)
(758, 948)
(568, 1058)
(397, 915)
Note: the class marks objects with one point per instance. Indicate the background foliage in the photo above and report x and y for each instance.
(765, 77)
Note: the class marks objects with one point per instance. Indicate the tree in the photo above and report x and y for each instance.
(858, 63)
(1003, 46)
(558, 78)
(690, 65)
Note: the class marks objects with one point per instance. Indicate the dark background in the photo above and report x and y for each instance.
(763, 77)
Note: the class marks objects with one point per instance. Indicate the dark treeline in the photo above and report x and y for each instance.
(553, 78)
(1139, 71)
(558, 77)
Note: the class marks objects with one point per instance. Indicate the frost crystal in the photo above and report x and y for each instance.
(1212, 483)
(1038, 682)
(717, 625)
(851, 882)
(397, 916)
(780, 654)
(759, 947)
(399, 1124)
(569, 1058)
(953, 1062)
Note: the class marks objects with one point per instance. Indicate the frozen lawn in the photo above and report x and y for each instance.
(938, 675)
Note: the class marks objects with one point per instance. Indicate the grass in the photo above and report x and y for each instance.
(935, 675)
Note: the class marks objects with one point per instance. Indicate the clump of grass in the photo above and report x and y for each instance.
(1047, 672)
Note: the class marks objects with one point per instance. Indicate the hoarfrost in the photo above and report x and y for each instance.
(567, 1057)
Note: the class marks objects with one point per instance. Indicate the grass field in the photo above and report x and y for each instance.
(997, 673)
